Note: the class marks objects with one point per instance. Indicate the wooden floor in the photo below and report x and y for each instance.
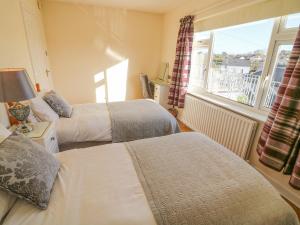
(185, 128)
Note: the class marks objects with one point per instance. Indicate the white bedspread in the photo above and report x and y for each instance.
(87, 193)
(89, 122)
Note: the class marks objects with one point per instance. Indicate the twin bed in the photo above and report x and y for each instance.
(178, 179)
(114, 122)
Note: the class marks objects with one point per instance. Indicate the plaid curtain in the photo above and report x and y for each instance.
(278, 146)
(182, 65)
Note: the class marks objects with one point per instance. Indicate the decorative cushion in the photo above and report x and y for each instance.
(42, 110)
(58, 104)
(27, 170)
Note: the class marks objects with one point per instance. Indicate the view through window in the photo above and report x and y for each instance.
(244, 63)
(239, 54)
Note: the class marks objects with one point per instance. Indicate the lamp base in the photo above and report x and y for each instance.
(24, 128)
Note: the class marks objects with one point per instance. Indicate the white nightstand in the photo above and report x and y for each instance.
(161, 92)
(43, 133)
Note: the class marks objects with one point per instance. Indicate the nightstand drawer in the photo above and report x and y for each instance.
(49, 139)
(43, 133)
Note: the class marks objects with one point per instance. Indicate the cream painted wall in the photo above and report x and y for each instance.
(13, 43)
(86, 40)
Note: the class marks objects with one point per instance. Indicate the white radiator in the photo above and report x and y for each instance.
(230, 129)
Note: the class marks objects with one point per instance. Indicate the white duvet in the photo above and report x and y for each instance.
(95, 186)
(89, 122)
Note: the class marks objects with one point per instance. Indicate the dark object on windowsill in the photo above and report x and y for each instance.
(173, 111)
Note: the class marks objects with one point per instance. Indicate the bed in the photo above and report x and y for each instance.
(115, 122)
(183, 178)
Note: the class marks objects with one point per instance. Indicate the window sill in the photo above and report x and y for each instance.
(252, 114)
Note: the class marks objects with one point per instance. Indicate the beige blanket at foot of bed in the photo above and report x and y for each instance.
(189, 179)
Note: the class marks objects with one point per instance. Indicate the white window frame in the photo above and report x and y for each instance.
(280, 35)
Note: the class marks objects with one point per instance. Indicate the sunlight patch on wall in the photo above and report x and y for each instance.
(111, 85)
(100, 94)
(99, 77)
(114, 55)
(117, 81)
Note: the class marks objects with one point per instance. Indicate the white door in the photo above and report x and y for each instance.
(37, 43)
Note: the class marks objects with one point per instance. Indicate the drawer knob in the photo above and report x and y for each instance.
(52, 138)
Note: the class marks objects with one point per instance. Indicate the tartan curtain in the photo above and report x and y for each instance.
(279, 143)
(182, 65)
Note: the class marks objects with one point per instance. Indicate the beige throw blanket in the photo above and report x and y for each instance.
(190, 180)
(138, 119)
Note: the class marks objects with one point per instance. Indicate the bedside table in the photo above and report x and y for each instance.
(43, 133)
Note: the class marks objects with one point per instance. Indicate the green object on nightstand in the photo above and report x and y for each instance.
(21, 113)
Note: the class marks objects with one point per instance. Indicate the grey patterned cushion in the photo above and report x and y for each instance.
(58, 104)
(27, 170)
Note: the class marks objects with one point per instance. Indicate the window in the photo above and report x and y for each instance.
(199, 60)
(238, 60)
(244, 63)
(292, 21)
(280, 63)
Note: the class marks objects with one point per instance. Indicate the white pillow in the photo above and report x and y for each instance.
(42, 110)
(4, 133)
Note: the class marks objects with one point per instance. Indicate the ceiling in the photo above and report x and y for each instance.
(155, 6)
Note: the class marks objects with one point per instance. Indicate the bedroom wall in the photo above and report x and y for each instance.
(13, 43)
(90, 47)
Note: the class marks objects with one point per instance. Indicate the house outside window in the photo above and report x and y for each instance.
(244, 63)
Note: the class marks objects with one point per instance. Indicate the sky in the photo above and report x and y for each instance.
(248, 37)
(244, 38)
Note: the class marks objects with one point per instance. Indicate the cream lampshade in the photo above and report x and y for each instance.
(15, 86)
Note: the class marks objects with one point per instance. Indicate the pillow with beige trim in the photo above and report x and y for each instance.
(27, 170)
(58, 104)
(42, 110)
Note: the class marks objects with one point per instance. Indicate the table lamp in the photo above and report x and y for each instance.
(15, 86)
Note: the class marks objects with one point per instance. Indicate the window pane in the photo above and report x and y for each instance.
(199, 60)
(293, 21)
(281, 62)
(239, 55)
